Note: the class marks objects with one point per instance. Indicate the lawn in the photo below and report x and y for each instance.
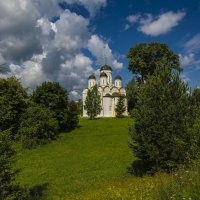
(79, 163)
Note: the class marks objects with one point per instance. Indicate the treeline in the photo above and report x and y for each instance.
(37, 118)
(32, 120)
(166, 112)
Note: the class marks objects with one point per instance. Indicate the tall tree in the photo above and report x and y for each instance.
(160, 136)
(93, 102)
(54, 97)
(120, 106)
(144, 58)
(131, 93)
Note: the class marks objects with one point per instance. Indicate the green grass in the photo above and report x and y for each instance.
(83, 160)
(90, 163)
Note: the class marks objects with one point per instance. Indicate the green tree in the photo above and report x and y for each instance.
(144, 58)
(38, 126)
(120, 106)
(13, 102)
(93, 103)
(131, 94)
(73, 115)
(160, 136)
(54, 97)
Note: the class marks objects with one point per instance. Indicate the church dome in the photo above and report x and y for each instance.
(103, 74)
(91, 77)
(106, 67)
(118, 77)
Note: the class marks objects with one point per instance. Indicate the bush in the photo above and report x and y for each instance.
(13, 102)
(38, 126)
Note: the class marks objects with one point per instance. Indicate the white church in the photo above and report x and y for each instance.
(109, 93)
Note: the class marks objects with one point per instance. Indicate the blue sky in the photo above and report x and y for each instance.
(65, 41)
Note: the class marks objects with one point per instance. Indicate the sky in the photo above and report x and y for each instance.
(67, 40)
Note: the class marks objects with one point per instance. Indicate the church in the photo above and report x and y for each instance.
(108, 91)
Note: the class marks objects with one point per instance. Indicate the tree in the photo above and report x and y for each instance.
(160, 136)
(72, 113)
(120, 106)
(13, 102)
(54, 97)
(144, 58)
(131, 93)
(93, 103)
(38, 126)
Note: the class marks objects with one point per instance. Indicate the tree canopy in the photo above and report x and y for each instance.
(120, 106)
(54, 97)
(144, 58)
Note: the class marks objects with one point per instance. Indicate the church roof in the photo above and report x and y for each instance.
(91, 77)
(118, 77)
(103, 74)
(106, 67)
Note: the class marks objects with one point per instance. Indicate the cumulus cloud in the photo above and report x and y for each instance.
(187, 60)
(37, 49)
(156, 25)
(102, 51)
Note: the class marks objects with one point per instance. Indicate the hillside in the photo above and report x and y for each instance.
(95, 154)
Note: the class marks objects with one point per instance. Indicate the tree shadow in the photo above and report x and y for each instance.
(139, 168)
(37, 191)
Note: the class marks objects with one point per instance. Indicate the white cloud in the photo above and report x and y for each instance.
(161, 24)
(155, 25)
(187, 60)
(38, 50)
(101, 50)
(193, 45)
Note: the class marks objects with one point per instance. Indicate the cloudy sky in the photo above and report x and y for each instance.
(66, 40)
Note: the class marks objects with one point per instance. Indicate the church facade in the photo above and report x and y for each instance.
(108, 91)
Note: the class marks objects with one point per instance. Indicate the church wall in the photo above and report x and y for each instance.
(107, 106)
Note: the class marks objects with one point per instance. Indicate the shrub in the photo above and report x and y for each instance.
(38, 126)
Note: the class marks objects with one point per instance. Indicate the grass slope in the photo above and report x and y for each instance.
(94, 156)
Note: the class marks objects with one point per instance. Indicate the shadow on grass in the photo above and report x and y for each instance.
(139, 168)
(37, 191)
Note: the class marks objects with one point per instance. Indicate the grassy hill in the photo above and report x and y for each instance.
(80, 161)
(90, 163)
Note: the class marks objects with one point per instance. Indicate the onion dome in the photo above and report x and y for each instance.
(103, 74)
(118, 77)
(91, 77)
(106, 67)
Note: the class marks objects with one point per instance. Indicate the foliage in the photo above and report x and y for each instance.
(53, 96)
(13, 102)
(160, 135)
(195, 98)
(72, 113)
(8, 189)
(120, 106)
(131, 93)
(144, 58)
(93, 103)
(80, 107)
(38, 126)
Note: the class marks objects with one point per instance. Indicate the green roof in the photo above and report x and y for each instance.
(91, 77)
(103, 74)
(118, 77)
(106, 67)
